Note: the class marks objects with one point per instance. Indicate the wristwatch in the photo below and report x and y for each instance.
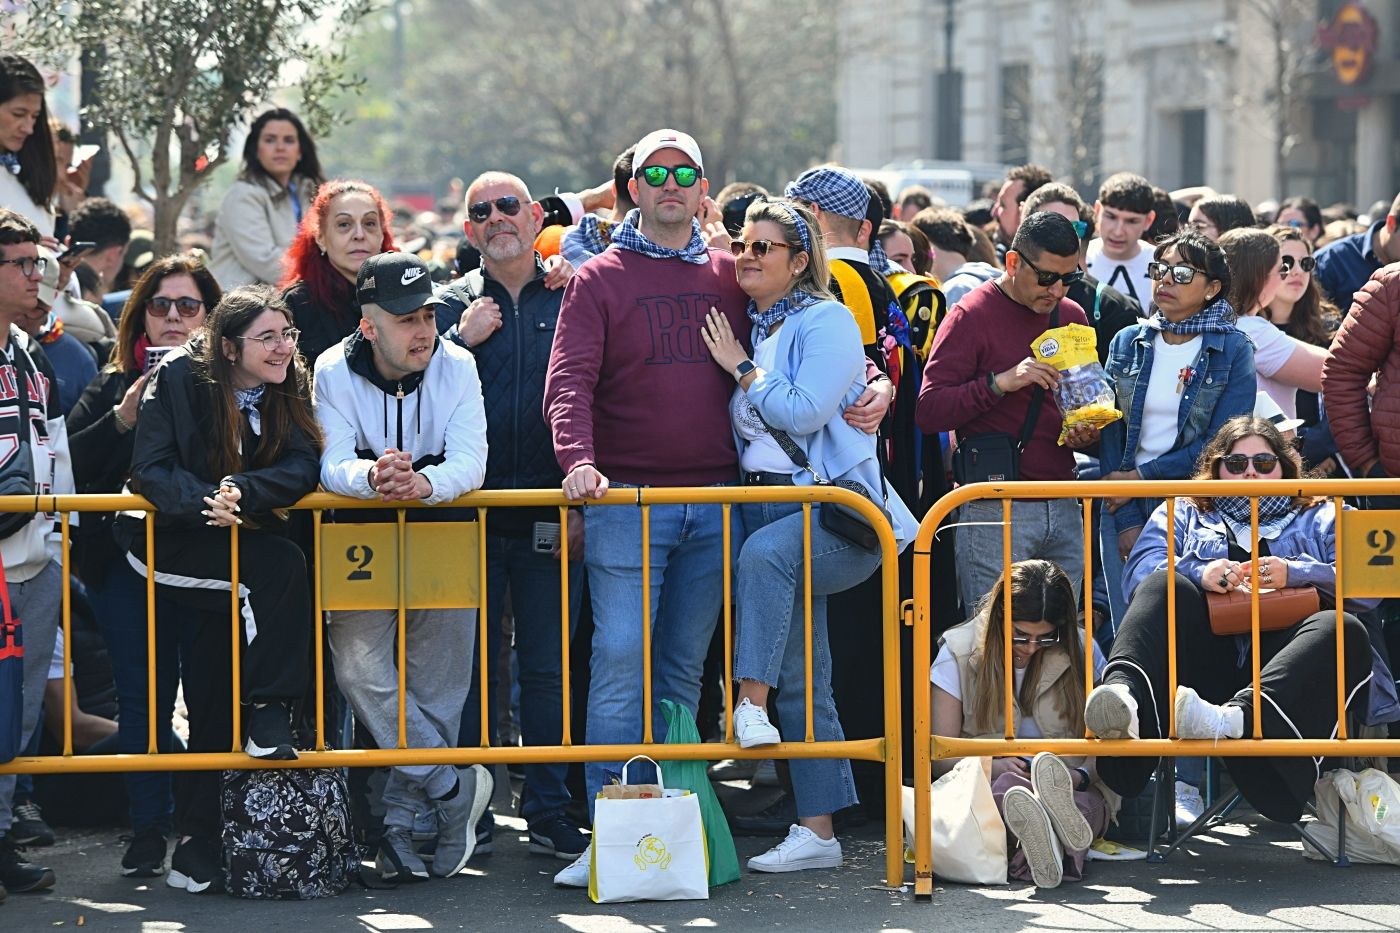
(743, 369)
(992, 384)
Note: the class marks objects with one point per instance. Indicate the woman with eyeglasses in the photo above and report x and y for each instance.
(259, 215)
(164, 310)
(1216, 552)
(807, 366)
(227, 438)
(1213, 217)
(1282, 364)
(1053, 808)
(347, 223)
(1303, 215)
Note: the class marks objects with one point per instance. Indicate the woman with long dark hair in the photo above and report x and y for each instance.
(167, 306)
(259, 216)
(348, 222)
(28, 168)
(227, 438)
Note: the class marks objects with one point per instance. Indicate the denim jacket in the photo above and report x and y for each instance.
(819, 372)
(1221, 387)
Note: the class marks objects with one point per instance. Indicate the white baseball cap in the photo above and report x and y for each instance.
(654, 142)
(1265, 407)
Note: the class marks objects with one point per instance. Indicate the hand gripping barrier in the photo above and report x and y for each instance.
(1366, 558)
(351, 574)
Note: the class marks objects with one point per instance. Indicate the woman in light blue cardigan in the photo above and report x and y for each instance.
(808, 366)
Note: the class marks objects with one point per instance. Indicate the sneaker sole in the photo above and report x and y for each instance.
(1029, 823)
(830, 861)
(481, 796)
(34, 842)
(45, 882)
(144, 871)
(183, 882)
(570, 883)
(1107, 716)
(759, 741)
(280, 753)
(543, 848)
(391, 873)
(1054, 785)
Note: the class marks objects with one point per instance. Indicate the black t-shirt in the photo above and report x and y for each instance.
(1107, 309)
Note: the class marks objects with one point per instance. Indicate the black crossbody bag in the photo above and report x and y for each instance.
(995, 457)
(840, 520)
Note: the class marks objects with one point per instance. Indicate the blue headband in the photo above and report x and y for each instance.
(801, 225)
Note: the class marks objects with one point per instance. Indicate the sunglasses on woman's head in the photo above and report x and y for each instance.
(480, 212)
(760, 247)
(1238, 463)
(160, 306)
(1181, 273)
(655, 175)
(1306, 263)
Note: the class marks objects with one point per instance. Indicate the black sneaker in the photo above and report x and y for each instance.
(558, 837)
(18, 874)
(29, 828)
(772, 820)
(270, 733)
(145, 856)
(197, 866)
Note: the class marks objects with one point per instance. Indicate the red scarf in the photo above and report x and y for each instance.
(138, 353)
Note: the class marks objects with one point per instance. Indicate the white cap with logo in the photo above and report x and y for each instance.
(654, 142)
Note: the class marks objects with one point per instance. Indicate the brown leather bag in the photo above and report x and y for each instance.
(1231, 613)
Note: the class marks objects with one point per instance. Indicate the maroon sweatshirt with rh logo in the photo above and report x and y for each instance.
(631, 386)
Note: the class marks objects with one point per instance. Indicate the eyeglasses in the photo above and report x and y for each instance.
(655, 175)
(1046, 279)
(760, 247)
(160, 306)
(1238, 463)
(1297, 224)
(27, 265)
(1181, 273)
(480, 212)
(271, 342)
(1306, 263)
(1040, 641)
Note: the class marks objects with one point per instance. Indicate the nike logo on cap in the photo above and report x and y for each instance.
(410, 276)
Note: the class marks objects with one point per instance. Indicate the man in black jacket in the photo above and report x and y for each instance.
(505, 314)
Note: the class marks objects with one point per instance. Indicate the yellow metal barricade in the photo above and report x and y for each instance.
(402, 565)
(1368, 564)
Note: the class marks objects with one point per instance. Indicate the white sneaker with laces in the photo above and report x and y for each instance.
(801, 849)
(751, 726)
(1197, 719)
(1110, 712)
(577, 872)
(1189, 805)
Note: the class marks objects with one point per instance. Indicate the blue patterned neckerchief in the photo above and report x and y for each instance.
(626, 236)
(1275, 512)
(594, 232)
(10, 161)
(247, 401)
(880, 260)
(786, 306)
(1216, 318)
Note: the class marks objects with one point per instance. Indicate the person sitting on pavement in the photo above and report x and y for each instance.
(430, 448)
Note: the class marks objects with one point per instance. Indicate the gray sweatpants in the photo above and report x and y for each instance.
(38, 602)
(439, 649)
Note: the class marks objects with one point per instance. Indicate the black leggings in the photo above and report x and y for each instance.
(1297, 677)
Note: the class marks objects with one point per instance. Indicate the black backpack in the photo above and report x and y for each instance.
(288, 833)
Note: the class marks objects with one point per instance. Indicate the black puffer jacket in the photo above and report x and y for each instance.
(512, 364)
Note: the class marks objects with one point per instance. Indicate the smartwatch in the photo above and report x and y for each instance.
(743, 369)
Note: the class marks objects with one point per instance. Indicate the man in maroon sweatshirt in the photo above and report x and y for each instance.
(982, 378)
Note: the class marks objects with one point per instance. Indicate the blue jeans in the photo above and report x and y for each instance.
(687, 564)
(1048, 529)
(120, 605)
(771, 643)
(532, 581)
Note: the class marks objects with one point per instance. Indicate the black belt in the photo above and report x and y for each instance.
(768, 479)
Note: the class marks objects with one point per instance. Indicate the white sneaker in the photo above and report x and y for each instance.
(1197, 719)
(1029, 823)
(576, 874)
(765, 775)
(1110, 712)
(1189, 805)
(801, 849)
(751, 726)
(1054, 787)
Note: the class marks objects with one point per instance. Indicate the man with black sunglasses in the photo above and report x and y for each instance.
(982, 380)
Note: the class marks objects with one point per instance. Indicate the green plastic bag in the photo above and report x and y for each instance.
(691, 776)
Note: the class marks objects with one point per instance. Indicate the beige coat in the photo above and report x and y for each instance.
(256, 224)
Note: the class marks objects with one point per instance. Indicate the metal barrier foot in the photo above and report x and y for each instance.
(923, 888)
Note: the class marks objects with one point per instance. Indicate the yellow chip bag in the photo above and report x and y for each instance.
(1084, 395)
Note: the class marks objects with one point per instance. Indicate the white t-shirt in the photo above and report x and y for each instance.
(944, 675)
(762, 454)
(1161, 406)
(1129, 276)
(1272, 349)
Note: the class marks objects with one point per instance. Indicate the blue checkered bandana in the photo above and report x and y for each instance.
(786, 306)
(880, 260)
(10, 162)
(626, 236)
(834, 190)
(1275, 513)
(1216, 318)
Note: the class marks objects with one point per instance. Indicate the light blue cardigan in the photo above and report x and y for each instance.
(820, 370)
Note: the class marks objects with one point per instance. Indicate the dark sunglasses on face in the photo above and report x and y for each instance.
(655, 175)
(160, 306)
(1042, 641)
(1306, 263)
(1181, 273)
(1238, 463)
(760, 247)
(480, 212)
(1046, 279)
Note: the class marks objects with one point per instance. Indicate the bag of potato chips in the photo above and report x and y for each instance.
(1084, 395)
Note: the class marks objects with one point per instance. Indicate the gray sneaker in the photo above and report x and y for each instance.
(457, 819)
(396, 859)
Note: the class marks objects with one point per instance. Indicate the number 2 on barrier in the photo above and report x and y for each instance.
(360, 565)
(1370, 548)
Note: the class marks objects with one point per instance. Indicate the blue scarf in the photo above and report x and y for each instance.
(786, 306)
(10, 161)
(880, 260)
(1216, 318)
(1275, 512)
(626, 236)
(247, 401)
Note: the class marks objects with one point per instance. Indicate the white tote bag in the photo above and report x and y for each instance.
(1370, 803)
(969, 836)
(648, 844)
